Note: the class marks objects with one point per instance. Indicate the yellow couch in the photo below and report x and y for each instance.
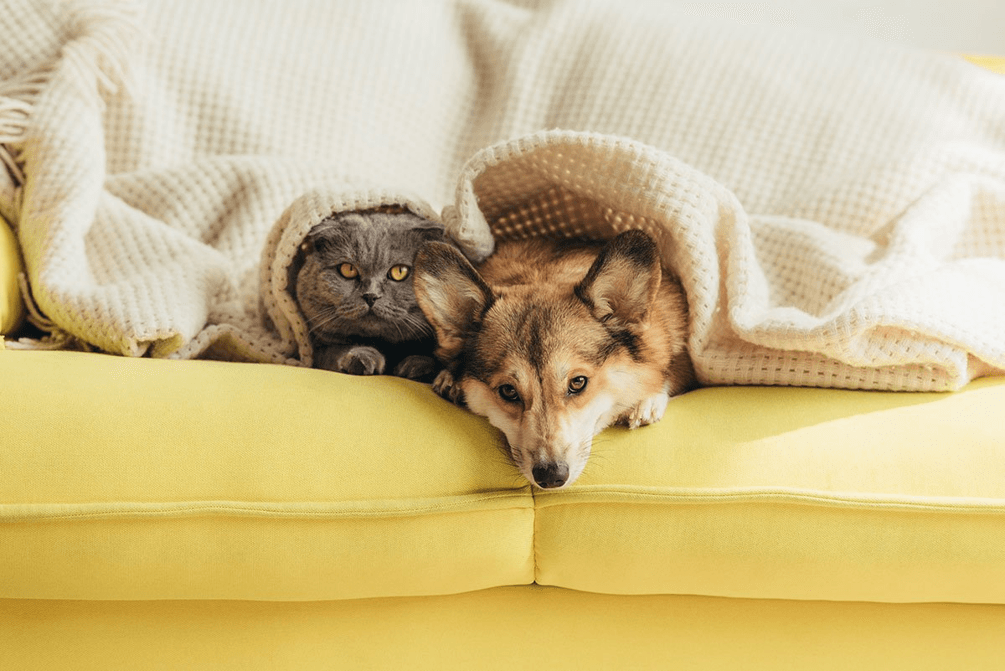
(206, 515)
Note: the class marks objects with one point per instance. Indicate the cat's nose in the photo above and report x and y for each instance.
(370, 298)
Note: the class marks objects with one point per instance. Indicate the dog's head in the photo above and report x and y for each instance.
(549, 365)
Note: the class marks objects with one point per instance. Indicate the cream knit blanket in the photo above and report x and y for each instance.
(835, 209)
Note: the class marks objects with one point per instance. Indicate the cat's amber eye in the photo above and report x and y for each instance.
(399, 273)
(348, 271)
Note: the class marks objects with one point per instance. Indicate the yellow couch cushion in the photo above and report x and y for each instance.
(499, 630)
(151, 479)
(792, 493)
(142, 479)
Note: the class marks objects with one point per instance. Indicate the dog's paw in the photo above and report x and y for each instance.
(416, 367)
(649, 411)
(445, 387)
(361, 360)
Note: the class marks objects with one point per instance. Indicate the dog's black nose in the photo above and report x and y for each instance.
(549, 476)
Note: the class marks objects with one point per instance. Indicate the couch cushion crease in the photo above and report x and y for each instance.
(33, 512)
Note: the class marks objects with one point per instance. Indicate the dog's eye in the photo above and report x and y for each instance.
(508, 393)
(577, 384)
(348, 271)
(399, 273)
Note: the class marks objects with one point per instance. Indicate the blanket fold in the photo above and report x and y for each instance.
(773, 300)
(835, 209)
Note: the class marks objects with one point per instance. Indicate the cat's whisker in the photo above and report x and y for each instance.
(324, 319)
(417, 324)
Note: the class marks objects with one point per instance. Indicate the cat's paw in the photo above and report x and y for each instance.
(416, 367)
(361, 360)
(445, 387)
(649, 411)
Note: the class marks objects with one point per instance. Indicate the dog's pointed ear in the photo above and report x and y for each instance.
(622, 283)
(451, 293)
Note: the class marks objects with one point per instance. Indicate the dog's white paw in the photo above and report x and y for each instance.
(445, 387)
(649, 411)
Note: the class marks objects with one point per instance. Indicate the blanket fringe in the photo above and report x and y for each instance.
(102, 44)
(55, 338)
(102, 40)
(17, 97)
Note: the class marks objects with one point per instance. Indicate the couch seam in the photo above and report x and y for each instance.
(534, 534)
(767, 495)
(236, 508)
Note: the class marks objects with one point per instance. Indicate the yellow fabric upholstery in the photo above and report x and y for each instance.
(11, 305)
(792, 493)
(145, 479)
(503, 628)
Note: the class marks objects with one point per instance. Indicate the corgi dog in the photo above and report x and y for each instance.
(553, 342)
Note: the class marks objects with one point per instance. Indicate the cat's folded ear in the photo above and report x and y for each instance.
(427, 230)
(321, 236)
(432, 233)
(452, 295)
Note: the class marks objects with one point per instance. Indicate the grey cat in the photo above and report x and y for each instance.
(353, 283)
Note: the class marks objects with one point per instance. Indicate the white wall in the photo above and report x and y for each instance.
(963, 26)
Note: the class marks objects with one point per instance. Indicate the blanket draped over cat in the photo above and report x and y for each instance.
(834, 208)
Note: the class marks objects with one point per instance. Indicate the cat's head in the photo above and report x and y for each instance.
(356, 276)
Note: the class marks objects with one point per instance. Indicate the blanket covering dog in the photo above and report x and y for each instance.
(835, 209)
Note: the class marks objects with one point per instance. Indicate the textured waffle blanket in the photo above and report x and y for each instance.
(835, 209)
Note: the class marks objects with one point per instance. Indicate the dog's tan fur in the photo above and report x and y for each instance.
(519, 336)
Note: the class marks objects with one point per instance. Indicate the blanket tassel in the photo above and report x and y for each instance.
(55, 338)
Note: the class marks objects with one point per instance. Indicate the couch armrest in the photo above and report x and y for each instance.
(11, 304)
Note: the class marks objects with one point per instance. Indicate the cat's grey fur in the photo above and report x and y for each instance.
(370, 324)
